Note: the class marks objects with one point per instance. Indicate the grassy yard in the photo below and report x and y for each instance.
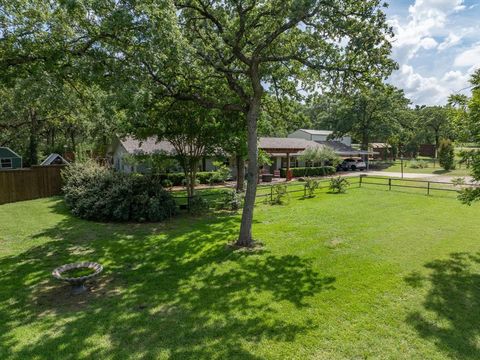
(368, 274)
(433, 168)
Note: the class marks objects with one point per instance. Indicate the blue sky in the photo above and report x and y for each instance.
(436, 45)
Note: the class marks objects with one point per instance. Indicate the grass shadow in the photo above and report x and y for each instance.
(450, 317)
(168, 290)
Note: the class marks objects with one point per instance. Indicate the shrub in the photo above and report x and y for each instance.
(338, 185)
(96, 193)
(458, 181)
(203, 177)
(310, 186)
(175, 178)
(222, 173)
(185, 182)
(309, 171)
(446, 154)
(197, 205)
(166, 183)
(418, 164)
(230, 200)
(279, 194)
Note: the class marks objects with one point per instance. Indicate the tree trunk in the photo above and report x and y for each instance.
(72, 138)
(191, 183)
(437, 141)
(240, 173)
(364, 146)
(33, 139)
(365, 140)
(245, 237)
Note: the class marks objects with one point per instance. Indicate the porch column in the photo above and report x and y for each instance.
(288, 166)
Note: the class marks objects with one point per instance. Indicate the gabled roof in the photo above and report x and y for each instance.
(7, 149)
(379, 145)
(342, 149)
(294, 144)
(317, 132)
(52, 158)
(150, 145)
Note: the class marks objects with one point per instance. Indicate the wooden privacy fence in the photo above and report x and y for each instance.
(31, 183)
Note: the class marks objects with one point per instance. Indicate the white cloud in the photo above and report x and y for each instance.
(429, 90)
(451, 40)
(470, 57)
(433, 45)
(426, 19)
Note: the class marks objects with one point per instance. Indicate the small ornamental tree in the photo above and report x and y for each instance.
(446, 154)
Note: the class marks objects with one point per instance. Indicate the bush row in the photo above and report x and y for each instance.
(203, 177)
(96, 193)
(309, 171)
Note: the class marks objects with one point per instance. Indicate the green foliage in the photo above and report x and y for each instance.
(309, 171)
(230, 200)
(458, 181)
(167, 183)
(159, 162)
(95, 193)
(371, 113)
(197, 205)
(472, 194)
(338, 185)
(263, 158)
(310, 186)
(467, 157)
(202, 177)
(320, 155)
(221, 174)
(418, 164)
(279, 194)
(446, 154)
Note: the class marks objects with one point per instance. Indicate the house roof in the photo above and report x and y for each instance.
(344, 150)
(379, 145)
(5, 150)
(317, 132)
(280, 146)
(150, 145)
(283, 144)
(51, 158)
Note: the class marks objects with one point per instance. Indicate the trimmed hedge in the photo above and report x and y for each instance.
(309, 171)
(204, 177)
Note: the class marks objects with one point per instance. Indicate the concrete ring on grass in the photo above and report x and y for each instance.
(77, 282)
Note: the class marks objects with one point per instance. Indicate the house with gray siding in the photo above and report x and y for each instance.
(123, 149)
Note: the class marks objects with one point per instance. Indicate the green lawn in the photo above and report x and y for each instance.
(433, 168)
(368, 274)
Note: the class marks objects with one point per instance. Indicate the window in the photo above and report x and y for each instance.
(6, 163)
(293, 162)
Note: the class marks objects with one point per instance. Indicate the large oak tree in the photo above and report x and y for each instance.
(309, 44)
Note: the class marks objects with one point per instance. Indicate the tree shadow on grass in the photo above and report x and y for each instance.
(168, 290)
(451, 317)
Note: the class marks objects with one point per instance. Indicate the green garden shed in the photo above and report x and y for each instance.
(9, 159)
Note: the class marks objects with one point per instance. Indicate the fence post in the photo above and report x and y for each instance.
(360, 182)
(389, 184)
(271, 193)
(428, 188)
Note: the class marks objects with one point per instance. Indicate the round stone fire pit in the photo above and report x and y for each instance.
(77, 274)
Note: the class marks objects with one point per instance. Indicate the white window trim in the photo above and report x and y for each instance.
(6, 167)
